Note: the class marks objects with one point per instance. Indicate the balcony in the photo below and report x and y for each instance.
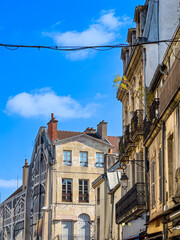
(128, 143)
(170, 87)
(149, 122)
(137, 125)
(123, 156)
(154, 110)
(131, 204)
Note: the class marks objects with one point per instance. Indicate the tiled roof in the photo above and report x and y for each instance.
(67, 134)
(115, 142)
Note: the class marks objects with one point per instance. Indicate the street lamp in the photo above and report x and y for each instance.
(124, 180)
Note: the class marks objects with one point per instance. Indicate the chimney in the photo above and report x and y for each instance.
(25, 174)
(102, 129)
(90, 130)
(52, 128)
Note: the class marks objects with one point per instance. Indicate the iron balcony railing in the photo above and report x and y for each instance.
(154, 110)
(127, 136)
(146, 127)
(73, 237)
(134, 198)
(152, 118)
(171, 85)
(121, 145)
(137, 123)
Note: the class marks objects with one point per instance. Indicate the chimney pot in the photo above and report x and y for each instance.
(25, 174)
(52, 128)
(102, 129)
(110, 150)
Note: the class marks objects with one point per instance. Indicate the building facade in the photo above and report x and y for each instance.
(140, 65)
(162, 141)
(107, 191)
(63, 166)
(12, 212)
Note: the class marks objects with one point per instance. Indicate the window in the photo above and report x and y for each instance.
(99, 160)
(67, 190)
(160, 177)
(98, 228)
(153, 183)
(84, 159)
(170, 165)
(98, 195)
(67, 230)
(67, 158)
(83, 191)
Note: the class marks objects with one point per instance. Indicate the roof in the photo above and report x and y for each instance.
(19, 190)
(115, 142)
(67, 134)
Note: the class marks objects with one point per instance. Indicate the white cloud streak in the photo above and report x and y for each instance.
(100, 96)
(102, 31)
(42, 102)
(12, 183)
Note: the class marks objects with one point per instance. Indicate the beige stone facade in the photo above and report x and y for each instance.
(70, 211)
(162, 142)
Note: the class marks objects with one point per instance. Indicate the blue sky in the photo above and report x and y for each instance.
(77, 87)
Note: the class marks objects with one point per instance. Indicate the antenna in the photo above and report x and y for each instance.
(17, 182)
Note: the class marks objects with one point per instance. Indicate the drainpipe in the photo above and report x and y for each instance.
(163, 177)
(144, 77)
(50, 205)
(112, 212)
(145, 148)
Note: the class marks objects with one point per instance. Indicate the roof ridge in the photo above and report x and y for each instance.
(114, 136)
(68, 131)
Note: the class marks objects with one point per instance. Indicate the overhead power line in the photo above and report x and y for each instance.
(78, 48)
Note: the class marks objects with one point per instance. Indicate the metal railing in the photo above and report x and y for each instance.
(154, 110)
(127, 136)
(121, 145)
(137, 122)
(153, 117)
(73, 237)
(135, 197)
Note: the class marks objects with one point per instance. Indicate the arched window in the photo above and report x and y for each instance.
(84, 227)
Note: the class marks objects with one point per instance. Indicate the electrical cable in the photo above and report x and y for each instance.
(79, 48)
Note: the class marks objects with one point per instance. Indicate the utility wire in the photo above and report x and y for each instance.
(78, 48)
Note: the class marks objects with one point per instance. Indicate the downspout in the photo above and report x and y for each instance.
(163, 177)
(157, 12)
(50, 206)
(51, 162)
(145, 148)
(144, 77)
(112, 213)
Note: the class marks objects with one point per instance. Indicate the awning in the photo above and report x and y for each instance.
(156, 235)
(137, 237)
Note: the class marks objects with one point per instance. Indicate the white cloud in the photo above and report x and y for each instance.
(100, 96)
(101, 32)
(42, 102)
(12, 183)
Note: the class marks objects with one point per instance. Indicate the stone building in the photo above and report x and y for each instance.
(155, 21)
(63, 166)
(107, 194)
(162, 140)
(12, 212)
